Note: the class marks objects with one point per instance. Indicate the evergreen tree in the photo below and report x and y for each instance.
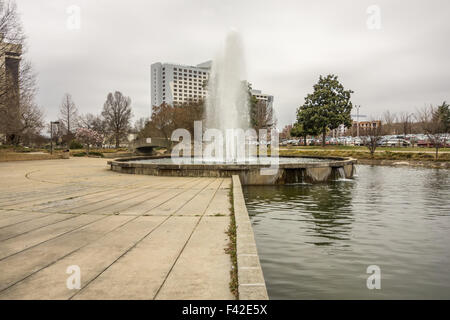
(326, 108)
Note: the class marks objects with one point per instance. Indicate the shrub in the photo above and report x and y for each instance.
(84, 154)
(79, 154)
(74, 144)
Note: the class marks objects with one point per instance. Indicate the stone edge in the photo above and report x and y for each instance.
(252, 285)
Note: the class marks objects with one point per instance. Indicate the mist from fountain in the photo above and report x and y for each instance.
(227, 103)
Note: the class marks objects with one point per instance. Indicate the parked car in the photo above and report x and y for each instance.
(358, 142)
(395, 142)
(382, 142)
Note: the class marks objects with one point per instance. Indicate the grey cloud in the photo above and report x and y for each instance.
(288, 45)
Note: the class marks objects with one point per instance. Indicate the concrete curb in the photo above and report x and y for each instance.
(250, 173)
(252, 285)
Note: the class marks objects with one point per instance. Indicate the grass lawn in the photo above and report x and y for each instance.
(362, 148)
(11, 153)
(413, 154)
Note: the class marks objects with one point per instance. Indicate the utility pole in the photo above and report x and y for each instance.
(357, 121)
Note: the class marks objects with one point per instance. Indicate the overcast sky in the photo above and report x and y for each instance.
(400, 67)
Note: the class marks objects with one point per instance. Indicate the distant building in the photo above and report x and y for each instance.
(177, 84)
(367, 124)
(364, 125)
(267, 98)
(10, 56)
(339, 131)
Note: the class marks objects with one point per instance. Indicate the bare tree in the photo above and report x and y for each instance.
(371, 136)
(93, 122)
(86, 120)
(262, 116)
(31, 116)
(139, 125)
(435, 124)
(12, 40)
(161, 124)
(19, 115)
(405, 120)
(389, 119)
(286, 132)
(68, 113)
(166, 118)
(117, 114)
(186, 115)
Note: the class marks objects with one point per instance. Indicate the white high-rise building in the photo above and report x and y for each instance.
(177, 84)
(267, 98)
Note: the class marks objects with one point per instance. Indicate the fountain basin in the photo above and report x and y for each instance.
(290, 169)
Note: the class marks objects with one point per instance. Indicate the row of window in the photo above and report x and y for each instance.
(199, 88)
(180, 93)
(195, 91)
(185, 80)
(185, 70)
(186, 85)
(175, 76)
(188, 71)
(186, 95)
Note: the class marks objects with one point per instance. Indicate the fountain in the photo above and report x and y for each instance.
(228, 146)
(227, 100)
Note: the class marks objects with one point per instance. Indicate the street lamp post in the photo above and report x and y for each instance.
(51, 134)
(357, 120)
(357, 116)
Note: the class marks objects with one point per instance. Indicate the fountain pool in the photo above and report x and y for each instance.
(288, 170)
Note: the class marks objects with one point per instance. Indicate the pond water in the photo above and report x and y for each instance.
(317, 241)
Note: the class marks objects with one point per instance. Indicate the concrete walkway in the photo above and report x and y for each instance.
(132, 236)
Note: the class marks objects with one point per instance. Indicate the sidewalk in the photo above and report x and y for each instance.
(132, 236)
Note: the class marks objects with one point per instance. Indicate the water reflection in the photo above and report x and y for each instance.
(316, 241)
(436, 188)
(326, 209)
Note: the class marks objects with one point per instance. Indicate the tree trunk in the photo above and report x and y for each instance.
(323, 137)
(304, 140)
(117, 142)
(437, 151)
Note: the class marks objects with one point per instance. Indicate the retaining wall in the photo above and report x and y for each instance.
(252, 285)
